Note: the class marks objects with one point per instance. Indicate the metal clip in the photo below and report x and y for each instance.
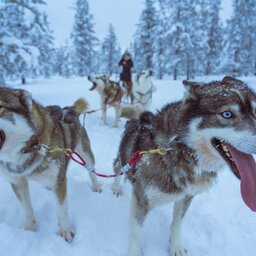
(66, 151)
(159, 151)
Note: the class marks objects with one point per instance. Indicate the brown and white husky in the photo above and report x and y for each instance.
(212, 127)
(26, 128)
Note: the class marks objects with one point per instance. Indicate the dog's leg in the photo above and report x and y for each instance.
(179, 211)
(116, 186)
(117, 113)
(85, 150)
(137, 216)
(104, 112)
(65, 229)
(20, 187)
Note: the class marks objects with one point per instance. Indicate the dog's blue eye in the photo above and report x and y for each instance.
(227, 114)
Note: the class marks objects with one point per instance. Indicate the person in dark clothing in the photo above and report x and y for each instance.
(126, 75)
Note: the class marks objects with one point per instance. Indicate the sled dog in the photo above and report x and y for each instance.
(143, 89)
(111, 94)
(212, 127)
(27, 129)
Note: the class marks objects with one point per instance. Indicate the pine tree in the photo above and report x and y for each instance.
(159, 48)
(84, 39)
(178, 40)
(44, 42)
(240, 49)
(145, 36)
(111, 53)
(20, 24)
(211, 29)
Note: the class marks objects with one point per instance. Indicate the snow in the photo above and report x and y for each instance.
(217, 223)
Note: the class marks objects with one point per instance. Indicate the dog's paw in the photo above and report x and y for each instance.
(68, 234)
(134, 253)
(178, 251)
(97, 188)
(30, 225)
(117, 190)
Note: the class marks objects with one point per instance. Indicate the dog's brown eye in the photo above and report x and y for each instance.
(227, 114)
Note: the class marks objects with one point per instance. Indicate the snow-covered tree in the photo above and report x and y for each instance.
(23, 31)
(44, 43)
(84, 39)
(178, 43)
(240, 48)
(159, 48)
(145, 36)
(212, 34)
(110, 53)
(63, 61)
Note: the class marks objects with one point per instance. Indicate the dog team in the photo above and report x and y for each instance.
(213, 126)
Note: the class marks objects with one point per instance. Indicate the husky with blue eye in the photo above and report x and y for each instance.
(25, 127)
(212, 127)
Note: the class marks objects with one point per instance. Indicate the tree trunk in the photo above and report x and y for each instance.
(175, 74)
(188, 70)
(2, 78)
(23, 80)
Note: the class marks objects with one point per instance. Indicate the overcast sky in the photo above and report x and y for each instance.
(123, 14)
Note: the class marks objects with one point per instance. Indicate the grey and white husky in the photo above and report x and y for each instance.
(212, 127)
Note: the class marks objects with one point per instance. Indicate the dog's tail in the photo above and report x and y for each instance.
(81, 105)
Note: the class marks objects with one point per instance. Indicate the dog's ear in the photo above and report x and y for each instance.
(191, 89)
(231, 80)
(25, 98)
(138, 76)
(105, 77)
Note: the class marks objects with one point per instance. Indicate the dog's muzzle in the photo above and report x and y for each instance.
(94, 85)
(2, 138)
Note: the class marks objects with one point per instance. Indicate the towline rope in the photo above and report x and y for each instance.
(135, 158)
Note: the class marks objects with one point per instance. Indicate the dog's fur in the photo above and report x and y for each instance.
(143, 89)
(25, 127)
(199, 131)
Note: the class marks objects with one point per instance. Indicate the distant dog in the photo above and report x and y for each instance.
(27, 129)
(212, 127)
(110, 93)
(141, 96)
(143, 89)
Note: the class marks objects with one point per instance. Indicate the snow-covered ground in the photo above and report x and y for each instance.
(218, 223)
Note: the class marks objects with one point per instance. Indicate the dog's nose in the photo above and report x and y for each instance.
(150, 72)
(89, 78)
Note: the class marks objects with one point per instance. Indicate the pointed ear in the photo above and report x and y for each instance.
(138, 76)
(191, 89)
(25, 98)
(230, 79)
(105, 77)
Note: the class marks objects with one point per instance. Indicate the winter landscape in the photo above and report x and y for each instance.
(180, 40)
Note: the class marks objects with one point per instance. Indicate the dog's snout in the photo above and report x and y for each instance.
(89, 77)
(150, 72)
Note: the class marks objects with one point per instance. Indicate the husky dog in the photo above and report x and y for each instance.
(111, 94)
(212, 127)
(143, 89)
(26, 130)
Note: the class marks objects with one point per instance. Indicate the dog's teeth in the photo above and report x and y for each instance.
(225, 148)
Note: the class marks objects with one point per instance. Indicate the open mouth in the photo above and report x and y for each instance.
(222, 148)
(94, 85)
(2, 138)
(243, 166)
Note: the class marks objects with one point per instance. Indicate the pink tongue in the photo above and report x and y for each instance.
(246, 166)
